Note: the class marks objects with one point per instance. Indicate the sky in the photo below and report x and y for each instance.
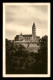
(20, 18)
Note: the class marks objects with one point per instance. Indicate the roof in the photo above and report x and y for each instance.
(27, 35)
(38, 36)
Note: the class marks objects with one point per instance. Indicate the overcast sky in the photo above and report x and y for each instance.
(19, 18)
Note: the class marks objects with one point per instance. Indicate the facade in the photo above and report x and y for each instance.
(30, 37)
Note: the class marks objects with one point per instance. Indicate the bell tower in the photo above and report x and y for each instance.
(33, 32)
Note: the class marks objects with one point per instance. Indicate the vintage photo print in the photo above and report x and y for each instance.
(26, 40)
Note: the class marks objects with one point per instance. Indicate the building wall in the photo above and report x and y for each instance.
(30, 46)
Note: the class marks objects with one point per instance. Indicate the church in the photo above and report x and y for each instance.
(30, 41)
(28, 38)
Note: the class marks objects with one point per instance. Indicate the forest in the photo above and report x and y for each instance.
(21, 61)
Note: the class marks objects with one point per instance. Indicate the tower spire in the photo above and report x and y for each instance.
(33, 31)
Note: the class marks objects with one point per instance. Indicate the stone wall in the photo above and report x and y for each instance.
(31, 46)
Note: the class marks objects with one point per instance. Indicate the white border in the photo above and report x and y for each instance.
(4, 57)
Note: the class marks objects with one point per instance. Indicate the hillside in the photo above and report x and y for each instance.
(20, 61)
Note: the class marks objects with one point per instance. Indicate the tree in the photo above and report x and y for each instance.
(19, 60)
(43, 53)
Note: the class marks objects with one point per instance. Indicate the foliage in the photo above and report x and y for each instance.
(21, 61)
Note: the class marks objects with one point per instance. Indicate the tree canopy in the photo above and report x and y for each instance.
(21, 61)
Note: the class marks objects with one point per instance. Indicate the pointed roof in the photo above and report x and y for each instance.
(34, 24)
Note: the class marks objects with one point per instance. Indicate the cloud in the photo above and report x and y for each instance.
(43, 8)
(19, 18)
(25, 13)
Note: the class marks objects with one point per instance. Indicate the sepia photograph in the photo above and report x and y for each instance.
(26, 40)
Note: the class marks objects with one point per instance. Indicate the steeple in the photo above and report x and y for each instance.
(33, 31)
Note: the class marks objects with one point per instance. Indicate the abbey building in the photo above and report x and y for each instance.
(30, 41)
(30, 37)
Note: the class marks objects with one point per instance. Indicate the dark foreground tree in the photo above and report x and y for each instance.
(43, 54)
(21, 61)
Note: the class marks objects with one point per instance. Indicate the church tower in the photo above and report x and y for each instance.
(33, 32)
